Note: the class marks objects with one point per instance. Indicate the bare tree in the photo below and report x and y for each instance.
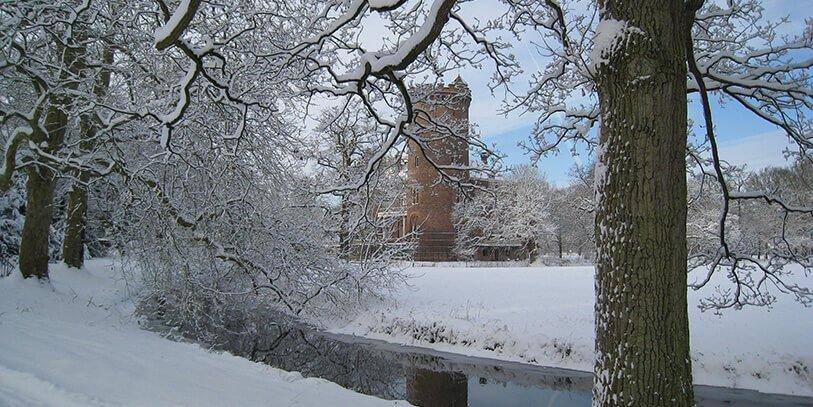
(572, 217)
(52, 55)
(511, 211)
(345, 138)
(637, 65)
(42, 71)
(739, 57)
(253, 66)
(633, 71)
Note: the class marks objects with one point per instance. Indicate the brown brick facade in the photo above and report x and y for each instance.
(442, 122)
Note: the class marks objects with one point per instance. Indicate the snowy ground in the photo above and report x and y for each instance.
(74, 342)
(544, 315)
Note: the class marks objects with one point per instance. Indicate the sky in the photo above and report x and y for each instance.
(744, 139)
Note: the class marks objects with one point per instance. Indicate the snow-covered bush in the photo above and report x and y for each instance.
(211, 257)
(12, 206)
(222, 229)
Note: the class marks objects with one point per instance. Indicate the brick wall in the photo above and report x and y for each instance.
(442, 122)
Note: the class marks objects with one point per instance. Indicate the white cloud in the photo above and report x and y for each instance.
(757, 151)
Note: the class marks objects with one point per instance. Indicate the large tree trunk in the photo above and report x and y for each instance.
(642, 329)
(41, 179)
(37, 226)
(40, 195)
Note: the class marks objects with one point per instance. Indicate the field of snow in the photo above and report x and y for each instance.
(544, 315)
(75, 343)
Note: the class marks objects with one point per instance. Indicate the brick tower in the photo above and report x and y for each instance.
(442, 122)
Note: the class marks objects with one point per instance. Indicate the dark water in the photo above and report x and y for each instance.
(429, 378)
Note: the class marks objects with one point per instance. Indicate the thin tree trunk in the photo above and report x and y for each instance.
(344, 229)
(642, 329)
(73, 245)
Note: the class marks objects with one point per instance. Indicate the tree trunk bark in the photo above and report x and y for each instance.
(40, 195)
(73, 245)
(36, 228)
(41, 179)
(642, 328)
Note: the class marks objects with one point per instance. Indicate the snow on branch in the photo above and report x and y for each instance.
(407, 51)
(385, 5)
(172, 29)
(17, 137)
(169, 119)
(736, 55)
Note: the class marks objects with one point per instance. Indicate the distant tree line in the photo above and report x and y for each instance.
(522, 208)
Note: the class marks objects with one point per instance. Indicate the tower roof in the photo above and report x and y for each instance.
(457, 87)
(459, 82)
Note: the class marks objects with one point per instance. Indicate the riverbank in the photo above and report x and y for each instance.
(74, 342)
(544, 316)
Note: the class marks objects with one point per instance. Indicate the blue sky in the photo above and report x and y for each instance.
(744, 138)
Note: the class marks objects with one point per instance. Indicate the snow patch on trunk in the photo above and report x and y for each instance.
(162, 33)
(611, 36)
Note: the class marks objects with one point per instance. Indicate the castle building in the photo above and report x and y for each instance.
(442, 121)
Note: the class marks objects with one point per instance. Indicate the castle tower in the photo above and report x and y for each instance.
(442, 121)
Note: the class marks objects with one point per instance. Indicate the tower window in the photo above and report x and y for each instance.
(417, 160)
(415, 196)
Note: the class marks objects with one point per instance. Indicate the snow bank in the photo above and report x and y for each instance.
(74, 342)
(544, 316)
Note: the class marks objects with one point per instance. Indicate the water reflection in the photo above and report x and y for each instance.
(427, 378)
(428, 388)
